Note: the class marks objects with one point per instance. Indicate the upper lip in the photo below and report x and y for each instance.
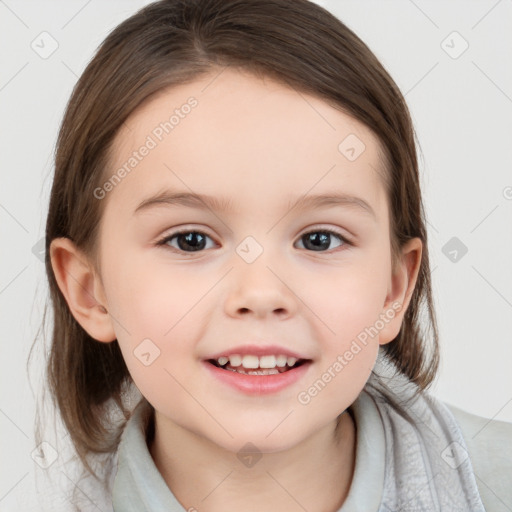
(257, 350)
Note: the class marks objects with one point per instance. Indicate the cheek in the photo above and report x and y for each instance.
(349, 303)
(349, 300)
(158, 317)
(148, 299)
(157, 346)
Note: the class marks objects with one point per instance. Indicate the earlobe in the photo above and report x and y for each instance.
(81, 287)
(403, 282)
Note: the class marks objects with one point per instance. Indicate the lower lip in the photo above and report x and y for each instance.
(258, 384)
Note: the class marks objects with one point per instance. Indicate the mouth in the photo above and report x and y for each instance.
(253, 365)
(258, 375)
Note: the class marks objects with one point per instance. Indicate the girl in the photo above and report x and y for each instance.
(236, 232)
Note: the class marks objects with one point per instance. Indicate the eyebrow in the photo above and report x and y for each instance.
(201, 201)
(207, 202)
(332, 199)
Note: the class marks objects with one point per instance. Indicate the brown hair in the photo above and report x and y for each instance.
(174, 42)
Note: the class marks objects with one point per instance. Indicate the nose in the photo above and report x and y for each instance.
(259, 291)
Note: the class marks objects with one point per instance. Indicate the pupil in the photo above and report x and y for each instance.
(192, 241)
(318, 241)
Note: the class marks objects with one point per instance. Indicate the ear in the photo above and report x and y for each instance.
(403, 281)
(82, 289)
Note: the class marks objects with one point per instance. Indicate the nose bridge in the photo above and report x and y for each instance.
(256, 285)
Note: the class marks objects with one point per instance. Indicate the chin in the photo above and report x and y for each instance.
(266, 439)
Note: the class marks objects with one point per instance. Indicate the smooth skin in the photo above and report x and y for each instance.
(261, 146)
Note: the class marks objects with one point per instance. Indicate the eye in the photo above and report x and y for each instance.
(321, 240)
(186, 241)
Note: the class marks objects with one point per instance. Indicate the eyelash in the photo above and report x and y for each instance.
(164, 241)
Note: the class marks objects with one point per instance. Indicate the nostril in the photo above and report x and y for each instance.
(245, 311)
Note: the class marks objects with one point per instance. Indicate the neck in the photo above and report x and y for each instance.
(313, 476)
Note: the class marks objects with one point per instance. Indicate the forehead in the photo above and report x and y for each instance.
(233, 134)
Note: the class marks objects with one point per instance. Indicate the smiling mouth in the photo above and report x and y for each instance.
(259, 371)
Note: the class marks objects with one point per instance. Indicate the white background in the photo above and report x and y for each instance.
(462, 110)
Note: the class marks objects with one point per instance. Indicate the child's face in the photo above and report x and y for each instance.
(256, 279)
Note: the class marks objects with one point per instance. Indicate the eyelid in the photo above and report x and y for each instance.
(344, 242)
(312, 229)
(180, 231)
(163, 243)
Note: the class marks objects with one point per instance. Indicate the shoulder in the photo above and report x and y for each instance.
(489, 444)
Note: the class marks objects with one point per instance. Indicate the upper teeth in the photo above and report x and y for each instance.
(250, 361)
